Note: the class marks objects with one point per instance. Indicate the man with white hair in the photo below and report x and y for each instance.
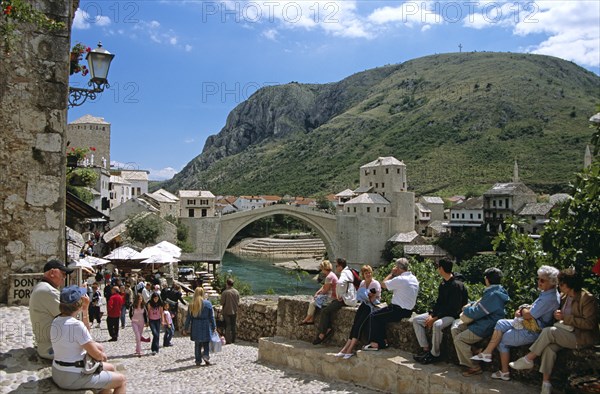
(405, 287)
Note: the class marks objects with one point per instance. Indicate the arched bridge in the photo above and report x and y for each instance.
(211, 236)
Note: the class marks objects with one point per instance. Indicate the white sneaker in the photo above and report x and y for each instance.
(522, 363)
(348, 355)
(546, 388)
(501, 375)
(340, 354)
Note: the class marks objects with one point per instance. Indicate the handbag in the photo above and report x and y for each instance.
(215, 342)
(349, 295)
(90, 365)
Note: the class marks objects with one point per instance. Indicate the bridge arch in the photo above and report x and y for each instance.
(323, 224)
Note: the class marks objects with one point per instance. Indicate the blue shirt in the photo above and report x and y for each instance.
(544, 306)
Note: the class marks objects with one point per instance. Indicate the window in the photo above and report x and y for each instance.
(204, 212)
(533, 218)
(506, 202)
(376, 185)
(382, 185)
(494, 203)
(354, 209)
(377, 209)
(374, 172)
(471, 216)
(370, 184)
(191, 202)
(462, 215)
(203, 202)
(398, 171)
(452, 216)
(387, 170)
(500, 203)
(348, 209)
(478, 216)
(383, 209)
(368, 209)
(191, 212)
(139, 191)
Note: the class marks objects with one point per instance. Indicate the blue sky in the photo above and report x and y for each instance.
(182, 66)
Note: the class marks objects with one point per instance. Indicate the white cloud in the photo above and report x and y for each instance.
(154, 31)
(189, 140)
(571, 27)
(187, 48)
(270, 34)
(84, 20)
(162, 174)
(425, 28)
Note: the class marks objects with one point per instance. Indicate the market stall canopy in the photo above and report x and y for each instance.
(124, 253)
(93, 261)
(153, 254)
(170, 248)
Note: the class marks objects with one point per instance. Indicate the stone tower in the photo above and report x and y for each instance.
(89, 131)
(383, 207)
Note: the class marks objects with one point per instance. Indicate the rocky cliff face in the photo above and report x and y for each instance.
(278, 111)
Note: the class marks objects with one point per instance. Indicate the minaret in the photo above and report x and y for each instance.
(587, 157)
(516, 173)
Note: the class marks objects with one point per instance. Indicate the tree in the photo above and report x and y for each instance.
(572, 238)
(144, 229)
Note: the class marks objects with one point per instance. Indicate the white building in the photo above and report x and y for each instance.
(167, 203)
(138, 179)
(196, 204)
(119, 191)
(247, 203)
(468, 213)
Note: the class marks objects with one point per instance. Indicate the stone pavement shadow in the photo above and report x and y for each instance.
(42, 386)
(182, 368)
(17, 360)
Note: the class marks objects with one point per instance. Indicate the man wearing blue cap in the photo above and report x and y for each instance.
(44, 302)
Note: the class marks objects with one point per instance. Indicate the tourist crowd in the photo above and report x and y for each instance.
(564, 315)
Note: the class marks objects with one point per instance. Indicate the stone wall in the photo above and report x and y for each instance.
(34, 79)
(291, 310)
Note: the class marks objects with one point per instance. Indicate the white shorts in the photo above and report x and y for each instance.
(78, 380)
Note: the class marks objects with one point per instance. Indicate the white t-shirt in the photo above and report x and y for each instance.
(68, 337)
(405, 288)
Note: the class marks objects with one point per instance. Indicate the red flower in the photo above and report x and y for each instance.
(7, 10)
(88, 49)
(92, 149)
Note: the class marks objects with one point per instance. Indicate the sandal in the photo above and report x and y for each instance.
(370, 347)
(485, 357)
(501, 375)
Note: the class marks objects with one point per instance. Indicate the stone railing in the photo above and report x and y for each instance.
(271, 316)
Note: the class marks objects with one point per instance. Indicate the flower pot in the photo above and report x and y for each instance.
(72, 161)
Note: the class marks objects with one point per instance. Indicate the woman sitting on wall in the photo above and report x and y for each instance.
(528, 322)
(577, 327)
(369, 295)
(324, 295)
(71, 342)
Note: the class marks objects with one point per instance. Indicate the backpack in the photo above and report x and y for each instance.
(356, 278)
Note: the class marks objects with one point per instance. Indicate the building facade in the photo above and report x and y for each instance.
(196, 204)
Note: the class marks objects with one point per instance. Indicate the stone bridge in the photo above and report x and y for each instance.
(211, 236)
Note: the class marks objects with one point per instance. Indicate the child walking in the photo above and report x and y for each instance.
(156, 316)
(169, 328)
(139, 319)
(200, 322)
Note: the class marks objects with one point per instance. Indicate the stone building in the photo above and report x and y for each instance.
(196, 204)
(382, 207)
(91, 132)
(34, 83)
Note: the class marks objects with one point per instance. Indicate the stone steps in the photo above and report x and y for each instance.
(284, 246)
(388, 370)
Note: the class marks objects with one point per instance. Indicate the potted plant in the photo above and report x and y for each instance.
(76, 56)
(76, 155)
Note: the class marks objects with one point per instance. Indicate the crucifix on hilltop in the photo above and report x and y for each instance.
(460, 47)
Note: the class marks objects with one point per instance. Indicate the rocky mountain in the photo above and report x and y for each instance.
(457, 120)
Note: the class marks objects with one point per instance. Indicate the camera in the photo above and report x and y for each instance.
(373, 291)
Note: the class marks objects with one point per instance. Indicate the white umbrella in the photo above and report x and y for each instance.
(95, 260)
(170, 248)
(158, 259)
(81, 263)
(124, 253)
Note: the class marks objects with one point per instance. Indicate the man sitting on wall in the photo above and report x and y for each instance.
(452, 296)
(405, 287)
(44, 302)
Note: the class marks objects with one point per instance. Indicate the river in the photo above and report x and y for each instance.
(265, 278)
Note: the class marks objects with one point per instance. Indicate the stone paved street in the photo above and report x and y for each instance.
(235, 369)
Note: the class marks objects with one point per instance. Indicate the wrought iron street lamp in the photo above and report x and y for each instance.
(99, 63)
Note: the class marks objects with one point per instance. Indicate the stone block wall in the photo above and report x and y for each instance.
(34, 81)
(291, 310)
